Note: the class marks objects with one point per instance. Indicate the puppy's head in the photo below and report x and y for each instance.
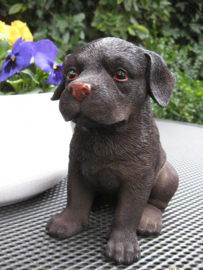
(107, 80)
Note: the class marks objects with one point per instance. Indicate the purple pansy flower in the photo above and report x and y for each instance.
(17, 59)
(44, 57)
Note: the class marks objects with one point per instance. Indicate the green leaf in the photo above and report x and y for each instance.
(15, 83)
(29, 73)
(200, 93)
(123, 27)
(39, 13)
(82, 35)
(140, 28)
(124, 35)
(58, 60)
(15, 8)
(133, 20)
(64, 2)
(131, 31)
(103, 2)
(61, 24)
(79, 17)
(181, 6)
(102, 27)
(61, 53)
(196, 28)
(4, 46)
(135, 5)
(115, 34)
(141, 31)
(40, 34)
(75, 37)
(128, 4)
(119, 2)
(66, 37)
(144, 3)
(24, 8)
(48, 4)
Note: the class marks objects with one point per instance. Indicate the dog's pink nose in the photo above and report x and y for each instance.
(79, 90)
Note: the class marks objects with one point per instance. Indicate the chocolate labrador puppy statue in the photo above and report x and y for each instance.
(115, 150)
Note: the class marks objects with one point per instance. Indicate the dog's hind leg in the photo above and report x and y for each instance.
(162, 191)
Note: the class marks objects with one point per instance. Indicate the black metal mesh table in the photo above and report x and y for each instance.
(24, 244)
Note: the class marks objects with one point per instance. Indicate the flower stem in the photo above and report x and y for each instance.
(24, 82)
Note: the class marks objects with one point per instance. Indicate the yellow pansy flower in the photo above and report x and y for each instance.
(23, 30)
(3, 29)
(16, 30)
(10, 33)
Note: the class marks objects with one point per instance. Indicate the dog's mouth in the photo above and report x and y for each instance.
(86, 122)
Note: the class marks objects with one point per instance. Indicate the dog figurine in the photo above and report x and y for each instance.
(115, 150)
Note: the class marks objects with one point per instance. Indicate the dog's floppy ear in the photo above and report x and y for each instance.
(61, 86)
(160, 80)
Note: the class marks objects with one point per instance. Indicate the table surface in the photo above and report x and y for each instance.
(24, 243)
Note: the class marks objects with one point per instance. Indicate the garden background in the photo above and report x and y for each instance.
(174, 29)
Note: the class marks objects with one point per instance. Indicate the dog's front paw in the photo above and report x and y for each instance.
(123, 248)
(65, 224)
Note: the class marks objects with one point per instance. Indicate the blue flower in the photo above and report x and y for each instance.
(45, 53)
(17, 59)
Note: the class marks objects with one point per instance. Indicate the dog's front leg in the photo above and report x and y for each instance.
(74, 217)
(123, 246)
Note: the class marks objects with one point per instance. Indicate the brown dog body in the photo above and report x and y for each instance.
(115, 150)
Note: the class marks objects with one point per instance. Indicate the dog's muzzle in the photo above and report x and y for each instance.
(79, 90)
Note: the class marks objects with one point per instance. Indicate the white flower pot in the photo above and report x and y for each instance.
(34, 146)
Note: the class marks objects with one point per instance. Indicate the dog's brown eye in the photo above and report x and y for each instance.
(121, 75)
(71, 74)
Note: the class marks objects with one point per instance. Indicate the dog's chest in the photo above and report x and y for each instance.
(101, 167)
(105, 161)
